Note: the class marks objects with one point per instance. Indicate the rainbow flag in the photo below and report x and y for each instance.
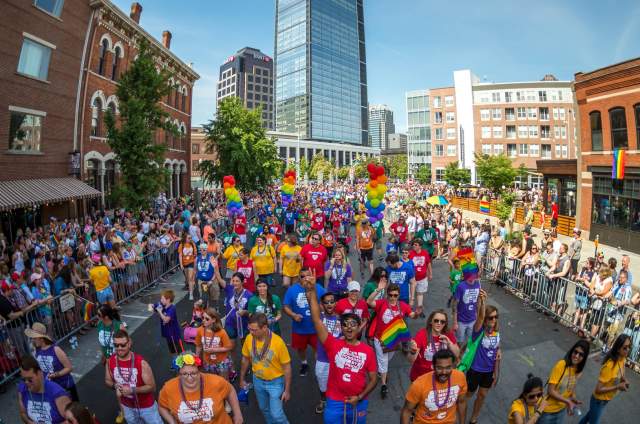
(484, 206)
(395, 333)
(468, 264)
(617, 168)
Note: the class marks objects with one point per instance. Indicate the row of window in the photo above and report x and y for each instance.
(521, 113)
(451, 150)
(524, 131)
(521, 96)
(617, 126)
(450, 116)
(437, 101)
(439, 133)
(531, 150)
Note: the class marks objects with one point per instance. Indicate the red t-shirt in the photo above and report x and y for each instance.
(420, 263)
(314, 257)
(124, 373)
(246, 269)
(554, 211)
(240, 225)
(361, 309)
(317, 222)
(400, 231)
(426, 350)
(348, 367)
(385, 313)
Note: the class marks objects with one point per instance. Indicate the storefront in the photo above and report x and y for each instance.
(559, 185)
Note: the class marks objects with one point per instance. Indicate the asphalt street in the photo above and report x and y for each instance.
(531, 343)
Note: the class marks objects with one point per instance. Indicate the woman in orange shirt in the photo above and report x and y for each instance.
(213, 345)
(187, 255)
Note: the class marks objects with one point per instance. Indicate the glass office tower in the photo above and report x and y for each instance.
(321, 71)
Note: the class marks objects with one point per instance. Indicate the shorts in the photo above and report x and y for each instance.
(366, 254)
(481, 379)
(322, 375)
(220, 368)
(422, 285)
(188, 266)
(464, 331)
(554, 222)
(301, 341)
(174, 345)
(105, 296)
(335, 412)
(213, 289)
(382, 357)
(574, 265)
(148, 415)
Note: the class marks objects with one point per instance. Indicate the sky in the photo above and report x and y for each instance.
(414, 44)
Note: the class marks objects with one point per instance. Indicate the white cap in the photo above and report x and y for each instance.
(353, 286)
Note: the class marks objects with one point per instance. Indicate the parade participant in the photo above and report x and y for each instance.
(264, 302)
(264, 258)
(337, 274)
(402, 274)
(131, 377)
(331, 321)
(213, 345)
(75, 413)
(561, 386)
(40, 400)
(303, 334)
(328, 239)
(610, 381)
(527, 409)
(53, 361)
(399, 230)
(364, 246)
(317, 221)
(101, 280)
(389, 327)
(464, 307)
(437, 397)
(378, 226)
(247, 267)
(194, 397)
(290, 219)
(429, 340)
(354, 304)
(352, 368)
(206, 271)
(290, 260)
(485, 367)
(240, 227)
(422, 265)
(270, 363)
(186, 254)
(302, 229)
(231, 255)
(255, 229)
(236, 303)
(427, 236)
(314, 256)
(109, 324)
(169, 325)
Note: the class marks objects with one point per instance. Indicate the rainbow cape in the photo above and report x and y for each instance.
(395, 333)
(484, 206)
(468, 264)
(617, 168)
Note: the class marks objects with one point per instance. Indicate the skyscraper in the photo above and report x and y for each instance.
(321, 71)
(380, 125)
(249, 75)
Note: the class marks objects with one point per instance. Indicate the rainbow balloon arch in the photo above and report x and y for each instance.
(376, 188)
(288, 187)
(234, 202)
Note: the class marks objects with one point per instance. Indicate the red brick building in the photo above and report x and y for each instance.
(112, 41)
(608, 102)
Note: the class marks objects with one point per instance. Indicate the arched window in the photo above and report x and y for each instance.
(183, 138)
(104, 48)
(636, 109)
(116, 64)
(618, 122)
(596, 130)
(176, 99)
(96, 118)
(184, 99)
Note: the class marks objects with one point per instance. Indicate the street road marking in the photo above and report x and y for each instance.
(526, 359)
(136, 316)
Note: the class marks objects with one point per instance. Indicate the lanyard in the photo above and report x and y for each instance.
(435, 389)
(184, 398)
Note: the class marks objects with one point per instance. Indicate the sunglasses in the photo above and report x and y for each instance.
(328, 302)
(439, 321)
(393, 295)
(350, 324)
(315, 238)
(534, 395)
(492, 317)
(120, 344)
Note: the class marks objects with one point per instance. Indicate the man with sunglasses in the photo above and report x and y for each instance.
(352, 364)
(132, 379)
(314, 255)
(40, 400)
(331, 321)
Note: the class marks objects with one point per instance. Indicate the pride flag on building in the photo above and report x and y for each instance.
(484, 206)
(395, 333)
(617, 168)
(468, 264)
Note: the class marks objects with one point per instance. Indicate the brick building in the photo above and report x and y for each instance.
(112, 41)
(199, 154)
(608, 102)
(444, 130)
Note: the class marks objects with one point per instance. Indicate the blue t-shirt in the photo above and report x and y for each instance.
(204, 268)
(186, 214)
(290, 217)
(296, 300)
(170, 330)
(402, 277)
(332, 324)
(467, 296)
(41, 407)
(485, 359)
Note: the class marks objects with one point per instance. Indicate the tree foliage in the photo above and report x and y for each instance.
(455, 176)
(505, 205)
(495, 171)
(243, 148)
(132, 139)
(319, 164)
(423, 174)
(396, 166)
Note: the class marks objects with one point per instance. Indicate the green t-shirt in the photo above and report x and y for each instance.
(455, 276)
(254, 230)
(278, 213)
(228, 238)
(369, 288)
(303, 230)
(105, 337)
(428, 237)
(379, 227)
(256, 305)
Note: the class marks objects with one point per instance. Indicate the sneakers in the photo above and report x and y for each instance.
(303, 370)
(190, 296)
(384, 391)
(320, 406)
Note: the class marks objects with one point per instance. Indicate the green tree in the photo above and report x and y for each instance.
(495, 171)
(423, 174)
(455, 176)
(141, 160)
(343, 173)
(396, 166)
(505, 204)
(243, 148)
(319, 164)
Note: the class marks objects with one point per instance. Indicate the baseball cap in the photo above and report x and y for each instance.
(35, 276)
(577, 231)
(353, 286)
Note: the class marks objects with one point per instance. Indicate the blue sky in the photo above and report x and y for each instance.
(415, 44)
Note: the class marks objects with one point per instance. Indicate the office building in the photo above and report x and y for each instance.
(380, 126)
(248, 75)
(396, 145)
(418, 130)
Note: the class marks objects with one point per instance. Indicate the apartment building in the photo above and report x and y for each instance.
(444, 131)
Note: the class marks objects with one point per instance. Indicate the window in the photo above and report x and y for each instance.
(510, 114)
(25, 131)
(115, 63)
(523, 131)
(96, 118)
(544, 113)
(542, 96)
(618, 122)
(448, 101)
(532, 113)
(439, 150)
(524, 149)
(195, 148)
(486, 149)
(522, 113)
(511, 131)
(557, 151)
(498, 149)
(451, 150)
(507, 96)
(437, 101)
(184, 100)
(512, 150)
(53, 7)
(546, 151)
(565, 151)
(102, 61)
(176, 99)
(250, 78)
(562, 114)
(563, 132)
(34, 59)
(497, 114)
(637, 113)
(545, 131)
(437, 118)
(486, 132)
(556, 116)
(534, 150)
(439, 135)
(451, 133)
(495, 97)
(497, 132)
(520, 96)
(556, 131)
(533, 131)
(194, 165)
(485, 114)
(451, 117)
(531, 96)
(439, 174)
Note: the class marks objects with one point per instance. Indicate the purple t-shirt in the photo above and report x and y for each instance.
(467, 297)
(338, 279)
(41, 407)
(170, 330)
(332, 324)
(234, 302)
(485, 359)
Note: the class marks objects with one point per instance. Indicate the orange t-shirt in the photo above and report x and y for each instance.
(215, 389)
(365, 238)
(208, 338)
(188, 251)
(422, 394)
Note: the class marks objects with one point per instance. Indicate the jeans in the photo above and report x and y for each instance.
(338, 412)
(464, 331)
(553, 418)
(268, 393)
(148, 415)
(596, 408)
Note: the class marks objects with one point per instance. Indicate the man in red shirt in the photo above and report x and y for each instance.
(354, 304)
(314, 255)
(352, 365)
(240, 227)
(317, 221)
(399, 230)
(554, 217)
(422, 266)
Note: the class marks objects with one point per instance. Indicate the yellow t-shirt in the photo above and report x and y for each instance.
(99, 276)
(565, 380)
(264, 259)
(231, 254)
(518, 406)
(272, 365)
(610, 375)
(290, 266)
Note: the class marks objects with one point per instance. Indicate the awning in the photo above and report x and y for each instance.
(24, 193)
